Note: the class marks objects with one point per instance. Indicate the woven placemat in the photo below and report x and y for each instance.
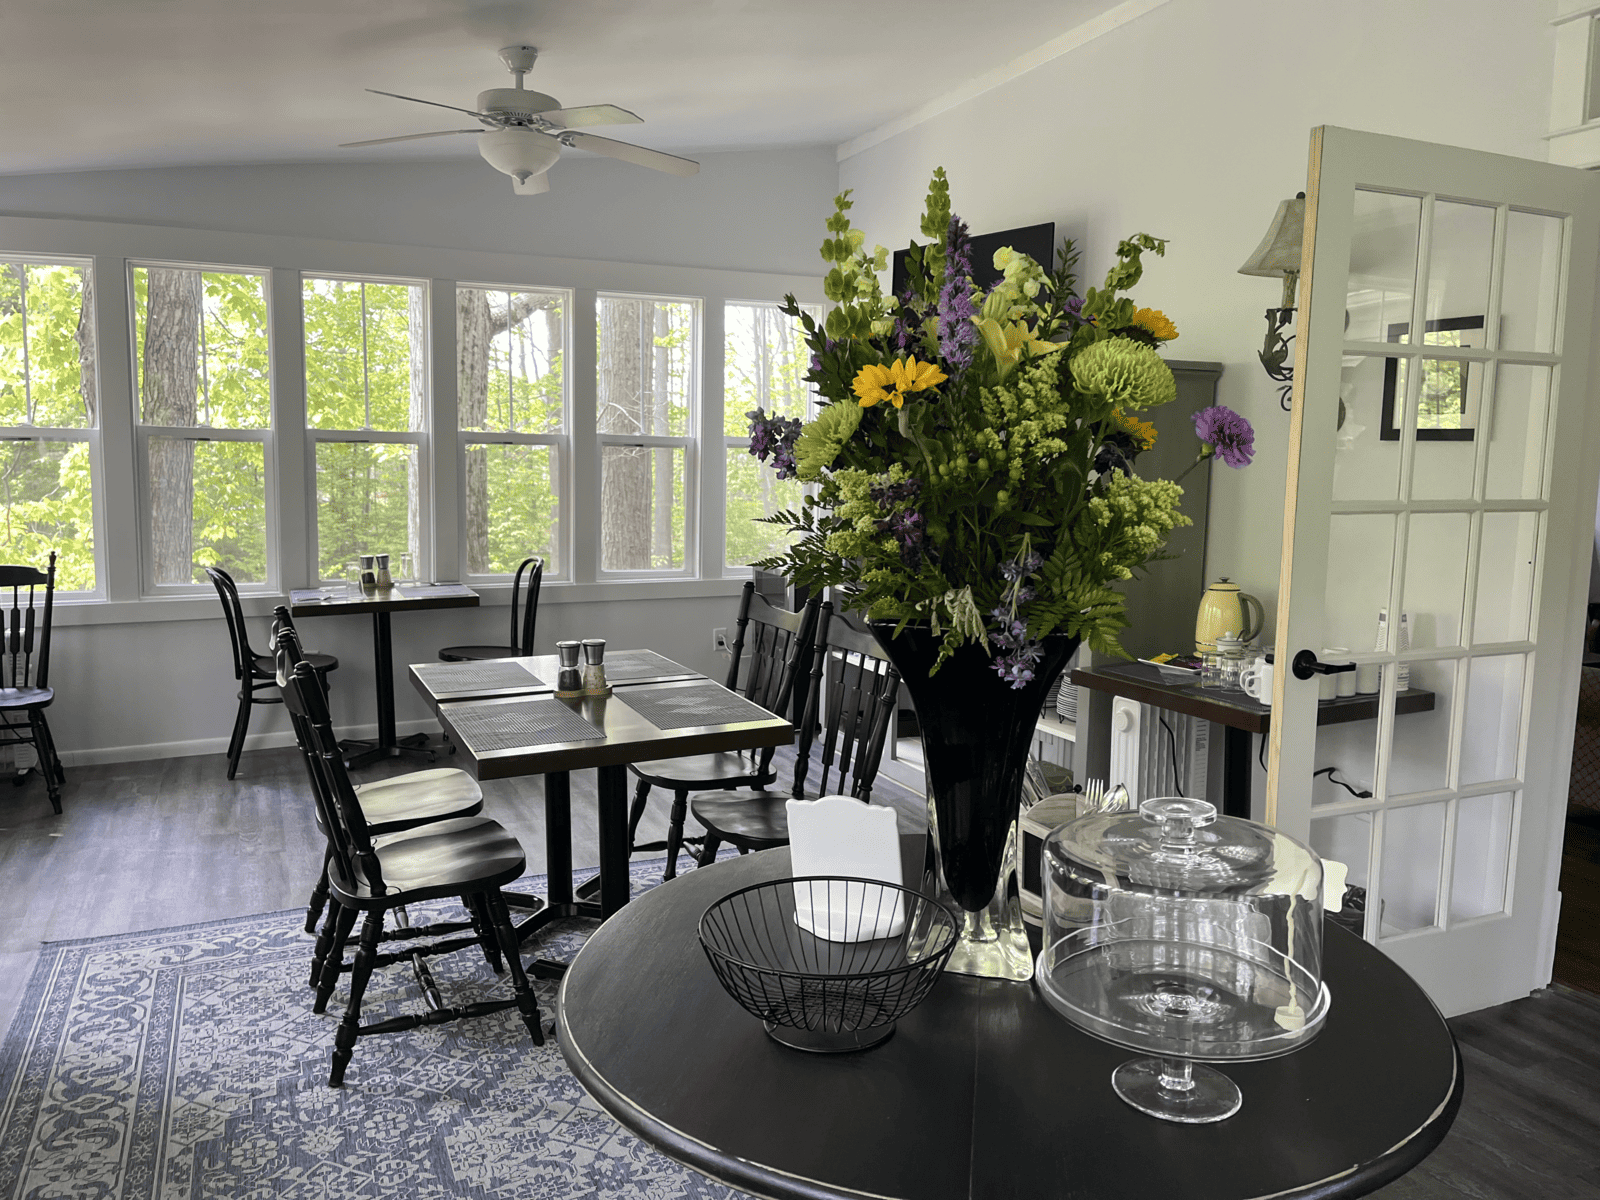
(471, 676)
(641, 664)
(699, 704)
(527, 723)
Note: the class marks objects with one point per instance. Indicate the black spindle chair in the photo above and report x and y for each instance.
(25, 689)
(521, 645)
(257, 673)
(468, 857)
(851, 700)
(774, 661)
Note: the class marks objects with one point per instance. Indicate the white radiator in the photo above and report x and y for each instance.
(1143, 751)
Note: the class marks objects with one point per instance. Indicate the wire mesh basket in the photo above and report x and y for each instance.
(829, 964)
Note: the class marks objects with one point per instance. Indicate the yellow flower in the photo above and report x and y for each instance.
(1007, 342)
(1142, 432)
(1155, 322)
(875, 382)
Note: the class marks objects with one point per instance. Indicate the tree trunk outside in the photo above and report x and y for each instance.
(661, 479)
(86, 352)
(625, 471)
(472, 392)
(171, 375)
(417, 327)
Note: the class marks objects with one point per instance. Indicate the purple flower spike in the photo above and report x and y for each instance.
(957, 334)
(1229, 434)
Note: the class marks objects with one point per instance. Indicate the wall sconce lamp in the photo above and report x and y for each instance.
(1278, 256)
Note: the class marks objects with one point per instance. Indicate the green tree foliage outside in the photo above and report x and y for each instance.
(47, 382)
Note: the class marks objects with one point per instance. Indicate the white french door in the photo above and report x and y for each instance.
(1442, 466)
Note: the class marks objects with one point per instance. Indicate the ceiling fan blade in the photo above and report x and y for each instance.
(591, 114)
(409, 137)
(627, 152)
(532, 185)
(435, 103)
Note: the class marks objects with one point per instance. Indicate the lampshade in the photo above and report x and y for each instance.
(1278, 255)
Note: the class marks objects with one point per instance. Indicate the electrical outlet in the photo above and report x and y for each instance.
(719, 640)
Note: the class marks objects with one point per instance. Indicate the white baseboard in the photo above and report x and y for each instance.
(100, 755)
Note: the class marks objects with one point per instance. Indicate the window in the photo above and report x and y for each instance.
(512, 414)
(49, 417)
(204, 405)
(646, 383)
(366, 404)
(764, 367)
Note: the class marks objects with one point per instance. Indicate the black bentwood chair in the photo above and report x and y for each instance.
(852, 698)
(25, 690)
(521, 631)
(256, 673)
(389, 805)
(468, 857)
(780, 645)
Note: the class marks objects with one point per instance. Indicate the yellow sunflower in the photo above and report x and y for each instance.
(875, 382)
(1155, 322)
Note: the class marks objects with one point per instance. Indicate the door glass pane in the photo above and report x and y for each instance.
(1447, 403)
(1436, 576)
(1413, 852)
(1461, 254)
(1506, 561)
(509, 361)
(1366, 465)
(1383, 263)
(208, 508)
(646, 365)
(1360, 565)
(513, 508)
(1419, 760)
(642, 519)
(1532, 276)
(1346, 839)
(367, 503)
(1482, 855)
(1351, 749)
(1491, 740)
(1517, 433)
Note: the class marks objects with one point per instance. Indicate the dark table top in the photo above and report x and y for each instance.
(334, 601)
(532, 675)
(1148, 685)
(983, 1091)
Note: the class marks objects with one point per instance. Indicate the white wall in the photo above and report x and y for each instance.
(1192, 123)
(153, 678)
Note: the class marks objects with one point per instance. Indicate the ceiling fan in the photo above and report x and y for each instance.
(523, 131)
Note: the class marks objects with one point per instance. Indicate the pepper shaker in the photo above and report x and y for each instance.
(594, 671)
(569, 680)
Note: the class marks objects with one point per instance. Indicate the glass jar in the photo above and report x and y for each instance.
(1231, 660)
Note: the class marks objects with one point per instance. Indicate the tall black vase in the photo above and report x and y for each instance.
(976, 733)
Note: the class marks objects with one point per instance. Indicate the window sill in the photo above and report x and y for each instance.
(70, 613)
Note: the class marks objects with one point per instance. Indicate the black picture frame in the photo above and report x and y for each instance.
(1036, 241)
(1389, 428)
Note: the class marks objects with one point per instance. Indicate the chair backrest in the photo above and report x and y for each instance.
(522, 631)
(850, 704)
(287, 654)
(346, 825)
(244, 659)
(773, 645)
(26, 620)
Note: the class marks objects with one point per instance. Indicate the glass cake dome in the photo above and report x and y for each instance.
(1185, 935)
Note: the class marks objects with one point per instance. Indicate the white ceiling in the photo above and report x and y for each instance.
(93, 84)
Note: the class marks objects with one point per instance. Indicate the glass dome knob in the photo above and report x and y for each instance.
(1178, 817)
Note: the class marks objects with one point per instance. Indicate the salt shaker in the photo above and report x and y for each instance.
(594, 670)
(381, 567)
(569, 680)
(369, 572)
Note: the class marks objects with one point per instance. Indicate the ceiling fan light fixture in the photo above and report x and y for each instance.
(519, 153)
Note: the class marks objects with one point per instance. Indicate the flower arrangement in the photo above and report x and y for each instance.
(973, 452)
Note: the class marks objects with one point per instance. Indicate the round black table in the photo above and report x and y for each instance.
(983, 1091)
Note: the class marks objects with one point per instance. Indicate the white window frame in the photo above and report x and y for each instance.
(142, 434)
(87, 434)
(689, 443)
(561, 443)
(421, 439)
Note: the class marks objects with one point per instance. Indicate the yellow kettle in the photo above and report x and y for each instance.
(1225, 609)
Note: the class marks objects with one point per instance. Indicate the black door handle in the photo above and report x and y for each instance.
(1305, 665)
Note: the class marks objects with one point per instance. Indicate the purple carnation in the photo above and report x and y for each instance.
(956, 332)
(1229, 434)
(774, 437)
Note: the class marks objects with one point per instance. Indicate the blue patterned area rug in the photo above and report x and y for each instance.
(187, 1063)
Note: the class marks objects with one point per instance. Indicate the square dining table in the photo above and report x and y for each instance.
(404, 597)
(505, 718)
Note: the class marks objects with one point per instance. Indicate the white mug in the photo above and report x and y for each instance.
(1256, 681)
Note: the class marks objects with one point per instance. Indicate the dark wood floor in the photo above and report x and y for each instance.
(145, 845)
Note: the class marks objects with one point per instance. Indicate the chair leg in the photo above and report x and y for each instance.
(527, 1003)
(708, 852)
(484, 928)
(319, 897)
(641, 795)
(47, 766)
(54, 758)
(240, 724)
(334, 959)
(680, 813)
(344, 1041)
(324, 946)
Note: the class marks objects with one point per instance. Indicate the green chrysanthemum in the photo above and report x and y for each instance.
(819, 442)
(1125, 374)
